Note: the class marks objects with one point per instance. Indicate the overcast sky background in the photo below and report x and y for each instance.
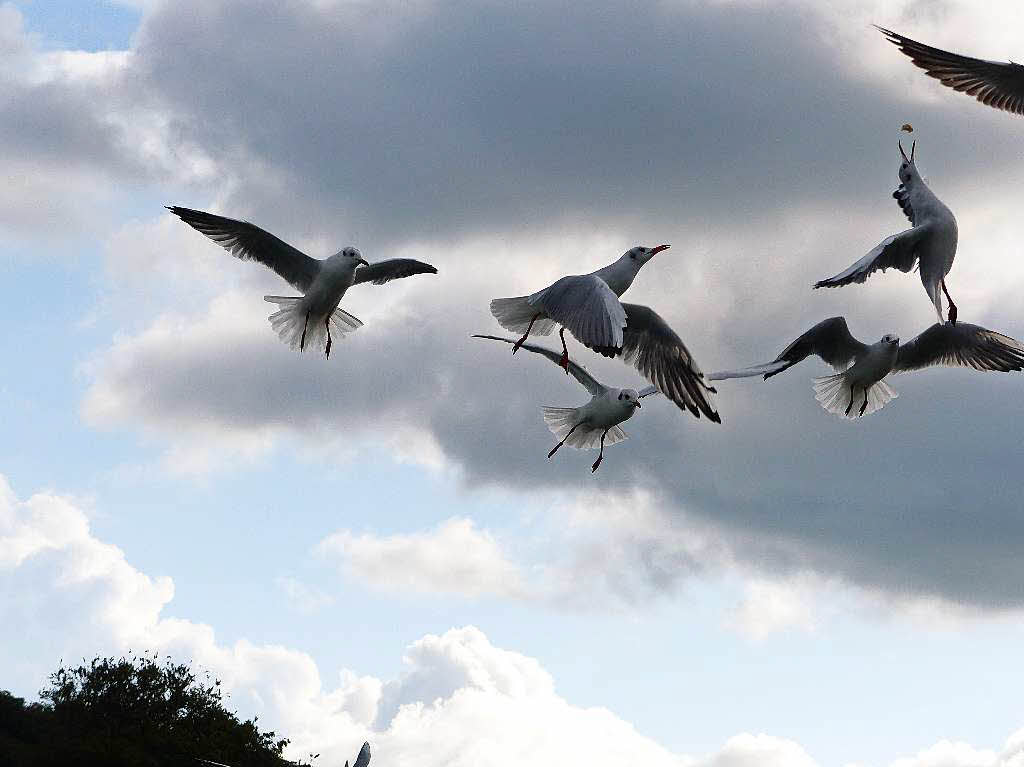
(375, 546)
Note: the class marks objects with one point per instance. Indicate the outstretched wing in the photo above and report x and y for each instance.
(830, 339)
(898, 251)
(250, 243)
(649, 344)
(961, 345)
(647, 391)
(994, 83)
(393, 269)
(578, 372)
(586, 307)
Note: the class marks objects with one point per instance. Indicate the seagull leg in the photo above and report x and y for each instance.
(302, 341)
(952, 306)
(327, 324)
(851, 402)
(521, 341)
(564, 362)
(865, 405)
(600, 456)
(555, 448)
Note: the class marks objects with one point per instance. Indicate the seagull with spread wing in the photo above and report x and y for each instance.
(857, 387)
(595, 423)
(588, 306)
(930, 242)
(302, 322)
(994, 83)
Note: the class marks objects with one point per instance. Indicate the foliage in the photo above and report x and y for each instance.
(131, 712)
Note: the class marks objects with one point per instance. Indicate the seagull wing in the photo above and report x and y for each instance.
(250, 243)
(961, 345)
(898, 251)
(663, 359)
(363, 760)
(579, 372)
(994, 83)
(586, 307)
(393, 269)
(830, 339)
(647, 391)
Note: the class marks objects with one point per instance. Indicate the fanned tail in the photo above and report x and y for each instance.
(290, 321)
(560, 421)
(837, 396)
(515, 315)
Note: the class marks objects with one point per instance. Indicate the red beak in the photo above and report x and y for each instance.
(655, 251)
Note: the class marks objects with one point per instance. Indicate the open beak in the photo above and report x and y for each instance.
(364, 262)
(637, 403)
(913, 148)
(657, 250)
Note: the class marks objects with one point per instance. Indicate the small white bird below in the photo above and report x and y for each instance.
(857, 388)
(595, 423)
(930, 242)
(302, 322)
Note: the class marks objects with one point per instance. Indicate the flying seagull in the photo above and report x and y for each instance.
(857, 387)
(587, 305)
(930, 242)
(597, 422)
(302, 321)
(994, 83)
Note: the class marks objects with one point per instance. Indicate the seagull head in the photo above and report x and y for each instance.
(908, 169)
(629, 397)
(641, 254)
(351, 256)
(891, 338)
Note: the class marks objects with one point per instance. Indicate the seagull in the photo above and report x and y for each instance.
(580, 426)
(861, 367)
(930, 242)
(994, 83)
(306, 321)
(587, 305)
(363, 760)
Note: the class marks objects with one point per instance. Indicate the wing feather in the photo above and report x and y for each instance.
(392, 269)
(250, 243)
(961, 345)
(898, 251)
(586, 307)
(578, 372)
(994, 83)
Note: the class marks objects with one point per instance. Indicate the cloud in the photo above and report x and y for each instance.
(455, 558)
(303, 597)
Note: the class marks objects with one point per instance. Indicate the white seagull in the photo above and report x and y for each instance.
(930, 242)
(861, 367)
(597, 422)
(993, 83)
(302, 321)
(588, 306)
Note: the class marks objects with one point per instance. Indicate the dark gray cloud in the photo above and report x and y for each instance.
(460, 118)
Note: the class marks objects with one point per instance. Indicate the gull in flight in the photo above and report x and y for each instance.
(930, 242)
(857, 387)
(302, 321)
(580, 426)
(587, 305)
(994, 83)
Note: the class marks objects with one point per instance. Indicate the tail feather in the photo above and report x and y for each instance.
(515, 315)
(291, 320)
(838, 396)
(560, 421)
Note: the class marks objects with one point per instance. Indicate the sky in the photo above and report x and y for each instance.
(375, 546)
